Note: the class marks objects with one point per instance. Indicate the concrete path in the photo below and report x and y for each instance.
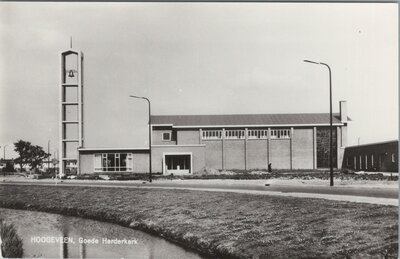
(376, 194)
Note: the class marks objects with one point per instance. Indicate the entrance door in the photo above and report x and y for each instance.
(177, 164)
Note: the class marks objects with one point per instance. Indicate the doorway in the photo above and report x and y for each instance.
(177, 164)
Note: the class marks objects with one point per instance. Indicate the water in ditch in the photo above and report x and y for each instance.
(49, 235)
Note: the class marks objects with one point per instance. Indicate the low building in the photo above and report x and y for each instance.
(3, 162)
(184, 144)
(381, 157)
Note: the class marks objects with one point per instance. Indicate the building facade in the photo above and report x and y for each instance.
(185, 144)
(190, 143)
(381, 157)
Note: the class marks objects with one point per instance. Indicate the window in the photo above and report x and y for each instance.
(113, 162)
(166, 136)
(355, 163)
(257, 134)
(372, 160)
(393, 158)
(234, 134)
(360, 163)
(366, 162)
(280, 133)
(211, 134)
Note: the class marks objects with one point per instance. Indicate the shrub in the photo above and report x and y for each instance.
(11, 246)
(346, 171)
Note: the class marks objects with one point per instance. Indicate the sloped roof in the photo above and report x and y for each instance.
(245, 119)
(388, 142)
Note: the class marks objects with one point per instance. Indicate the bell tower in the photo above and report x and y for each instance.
(71, 110)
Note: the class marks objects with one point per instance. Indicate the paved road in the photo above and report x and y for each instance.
(388, 193)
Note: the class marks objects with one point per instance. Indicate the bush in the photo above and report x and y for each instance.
(11, 246)
(86, 177)
(346, 171)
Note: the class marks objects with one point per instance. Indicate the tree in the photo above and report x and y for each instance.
(29, 154)
(23, 150)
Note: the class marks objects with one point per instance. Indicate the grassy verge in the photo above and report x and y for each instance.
(248, 175)
(11, 244)
(227, 225)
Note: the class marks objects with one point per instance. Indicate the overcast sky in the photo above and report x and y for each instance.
(196, 58)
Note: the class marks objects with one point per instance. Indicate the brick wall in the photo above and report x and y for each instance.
(141, 163)
(198, 156)
(280, 153)
(213, 153)
(158, 134)
(187, 136)
(257, 154)
(234, 154)
(86, 164)
(303, 150)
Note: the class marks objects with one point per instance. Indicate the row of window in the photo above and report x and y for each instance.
(211, 134)
(113, 162)
(365, 164)
(251, 134)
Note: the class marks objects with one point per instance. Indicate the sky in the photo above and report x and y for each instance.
(196, 58)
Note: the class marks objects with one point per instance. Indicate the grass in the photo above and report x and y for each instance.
(227, 225)
(11, 246)
(247, 175)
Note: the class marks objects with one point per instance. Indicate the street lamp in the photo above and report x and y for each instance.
(330, 118)
(139, 97)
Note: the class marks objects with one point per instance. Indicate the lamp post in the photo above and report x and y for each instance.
(330, 118)
(139, 97)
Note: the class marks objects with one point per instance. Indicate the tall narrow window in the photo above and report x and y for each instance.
(393, 158)
(104, 162)
(117, 162)
(372, 160)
